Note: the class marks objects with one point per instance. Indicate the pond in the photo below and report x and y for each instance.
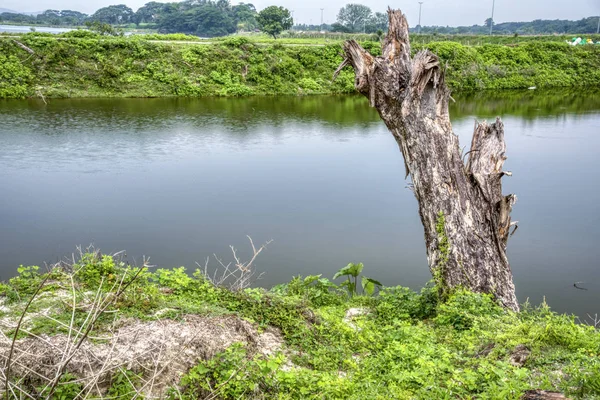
(180, 180)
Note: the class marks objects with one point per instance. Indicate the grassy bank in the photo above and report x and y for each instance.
(417, 39)
(79, 64)
(187, 338)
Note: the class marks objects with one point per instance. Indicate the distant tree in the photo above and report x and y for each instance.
(148, 13)
(173, 20)
(15, 17)
(377, 22)
(223, 5)
(200, 18)
(245, 16)
(51, 17)
(354, 17)
(114, 15)
(274, 20)
(211, 21)
(51, 13)
(64, 17)
(103, 28)
(70, 17)
(311, 27)
(337, 27)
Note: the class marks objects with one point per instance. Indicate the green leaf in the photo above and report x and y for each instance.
(357, 269)
(325, 282)
(342, 272)
(350, 269)
(369, 285)
(201, 369)
(349, 285)
(311, 278)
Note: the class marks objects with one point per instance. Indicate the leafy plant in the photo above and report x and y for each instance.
(463, 307)
(68, 388)
(14, 77)
(316, 290)
(353, 271)
(94, 267)
(122, 385)
(28, 280)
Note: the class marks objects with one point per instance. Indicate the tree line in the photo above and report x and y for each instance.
(539, 26)
(48, 17)
(218, 18)
(197, 17)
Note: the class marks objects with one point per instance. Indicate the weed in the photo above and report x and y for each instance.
(353, 271)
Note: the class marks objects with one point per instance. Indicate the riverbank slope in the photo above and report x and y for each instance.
(80, 64)
(99, 327)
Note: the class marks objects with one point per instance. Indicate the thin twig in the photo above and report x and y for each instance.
(14, 340)
(96, 312)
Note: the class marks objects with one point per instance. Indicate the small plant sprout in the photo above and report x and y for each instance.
(353, 271)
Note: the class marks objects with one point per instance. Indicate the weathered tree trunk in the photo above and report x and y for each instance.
(465, 216)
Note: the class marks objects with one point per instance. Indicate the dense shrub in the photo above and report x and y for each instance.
(14, 77)
(81, 34)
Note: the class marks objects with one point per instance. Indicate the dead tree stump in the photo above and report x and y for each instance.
(465, 216)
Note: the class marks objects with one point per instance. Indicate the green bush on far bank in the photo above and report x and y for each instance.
(539, 64)
(83, 64)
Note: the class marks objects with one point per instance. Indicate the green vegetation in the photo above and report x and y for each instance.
(538, 64)
(48, 17)
(353, 271)
(84, 64)
(537, 27)
(134, 67)
(359, 18)
(401, 345)
(273, 20)
(215, 18)
(114, 15)
(481, 40)
(443, 248)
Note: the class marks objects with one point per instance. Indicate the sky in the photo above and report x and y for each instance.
(434, 12)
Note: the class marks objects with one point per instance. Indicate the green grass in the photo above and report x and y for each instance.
(417, 39)
(82, 64)
(407, 345)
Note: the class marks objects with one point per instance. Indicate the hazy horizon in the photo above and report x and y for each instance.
(434, 12)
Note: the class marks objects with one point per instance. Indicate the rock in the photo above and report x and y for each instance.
(543, 395)
(354, 313)
(485, 350)
(519, 355)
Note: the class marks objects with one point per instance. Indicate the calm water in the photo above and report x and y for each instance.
(179, 180)
(26, 29)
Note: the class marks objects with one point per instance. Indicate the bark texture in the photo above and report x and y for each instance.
(465, 216)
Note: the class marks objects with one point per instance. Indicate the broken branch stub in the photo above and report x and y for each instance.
(464, 214)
